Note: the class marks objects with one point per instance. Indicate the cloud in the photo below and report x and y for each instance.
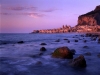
(49, 10)
(34, 15)
(5, 14)
(20, 8)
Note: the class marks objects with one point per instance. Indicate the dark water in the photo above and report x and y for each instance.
(24, 59)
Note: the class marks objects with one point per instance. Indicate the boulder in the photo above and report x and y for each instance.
(40, 54)
(43, 44)
(85, 41)
(57, 40)
(88, 54)
(88, 34)
(98, 55)
(42, 49)
(93, 38)
(99, 40)
(65, 39)
(82, 35)
(68, 41)
(62, 52)
(79, 62)
(20, 42)
(38, 63)
(76, 40)
(73, 51)
(85, 47)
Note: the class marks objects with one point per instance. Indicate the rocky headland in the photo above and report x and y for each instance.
(89, 22)
(91, 18)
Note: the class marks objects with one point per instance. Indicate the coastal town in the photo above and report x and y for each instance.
(89, 22)
(66, 29)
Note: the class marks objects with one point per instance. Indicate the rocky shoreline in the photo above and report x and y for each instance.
(89, 22)
(66, 53)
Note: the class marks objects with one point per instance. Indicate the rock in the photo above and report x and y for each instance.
(82, 35)
(40, 54)
(88, 54)
(79, 62)
(80, 39)
(99, 40)
(76, 40)
(20, 42)
(4, 43)
(88, 35)
(98, 55)
(73, 51)
(62, 52)
(91, 18)
(76, 35)
(57, 40)
(93, 39)
(42, 49)
(68, 41)
(65, 39)
(85, 47)
(38, 63)
(43, 44)
(85, 41)
(33, 56)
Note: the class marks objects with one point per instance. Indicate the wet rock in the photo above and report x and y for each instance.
(38, 63)
(99, 40)
(88, 54)
(68, 41)
(78, 62)
(4, 43)
(98, 55)
(33, 56)
(42, 49)
(43, 44)
(57, 40)
(73, 51)
(80, 39)
(40, 54)
(83, 38)
(20, 42)
(93, 39)
(62, 52)
(85, 47)
(85, 41)
(82, 35)
(76, 40)
(65, 39)
(88, 35)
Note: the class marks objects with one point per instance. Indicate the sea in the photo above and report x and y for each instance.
(27, 59)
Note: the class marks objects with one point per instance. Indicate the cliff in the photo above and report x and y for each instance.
(90, 18)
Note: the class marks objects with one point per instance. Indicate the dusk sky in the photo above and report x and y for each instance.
(24, 16)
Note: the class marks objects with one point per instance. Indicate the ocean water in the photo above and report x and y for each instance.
(24, 59)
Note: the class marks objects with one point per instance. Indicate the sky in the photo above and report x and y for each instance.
(24, 16)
